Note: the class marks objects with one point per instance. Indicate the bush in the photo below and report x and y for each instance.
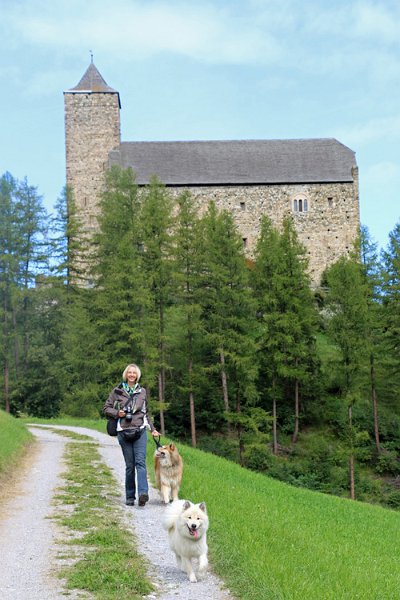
(388, 462)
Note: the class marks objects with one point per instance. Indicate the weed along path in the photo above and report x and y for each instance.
(31, 543)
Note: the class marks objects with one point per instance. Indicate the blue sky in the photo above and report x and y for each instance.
(209, 69)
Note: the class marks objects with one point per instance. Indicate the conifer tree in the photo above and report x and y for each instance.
(9, 261)
(266, 284)
(157, 239)
(347, 302)
(186, 278)
(287, 316)
(391, 307)
(228, 310)
(118, 276)
(371, 270)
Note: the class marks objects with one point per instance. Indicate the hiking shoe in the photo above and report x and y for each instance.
(130, 502)
(143, 498)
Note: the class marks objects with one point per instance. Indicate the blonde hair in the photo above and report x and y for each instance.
(138, 371)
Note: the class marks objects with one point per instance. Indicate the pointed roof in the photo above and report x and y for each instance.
(92, 81)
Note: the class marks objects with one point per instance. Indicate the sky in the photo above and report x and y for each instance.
(208, 70)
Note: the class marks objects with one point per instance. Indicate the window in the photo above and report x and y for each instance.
(244, 242)
(330, 202)
(300, 203)
(243, 206)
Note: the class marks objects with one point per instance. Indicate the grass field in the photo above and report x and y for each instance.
(269, 540)
(14, 439)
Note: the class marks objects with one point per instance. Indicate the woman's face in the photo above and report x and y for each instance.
(131, 376)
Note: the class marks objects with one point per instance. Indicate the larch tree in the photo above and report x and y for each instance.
(227, 311)
(157, 243)
(347, 301)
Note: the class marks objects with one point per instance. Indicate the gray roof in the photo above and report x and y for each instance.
(93, 82)
(237, 162)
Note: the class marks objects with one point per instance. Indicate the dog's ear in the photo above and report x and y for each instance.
(186, 505)
(203, 507)
(172, 447)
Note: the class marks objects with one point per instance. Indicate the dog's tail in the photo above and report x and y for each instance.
(173, 511)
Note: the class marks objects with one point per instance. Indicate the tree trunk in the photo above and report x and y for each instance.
(224, 381)
(351, 457)
(161, 399)
(374, 404)
(191, 405)
(161, 374)
(296, 412)
(239, 430)
(274, 428)
(5, 353)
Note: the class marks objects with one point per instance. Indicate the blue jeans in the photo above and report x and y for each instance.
(135, 458)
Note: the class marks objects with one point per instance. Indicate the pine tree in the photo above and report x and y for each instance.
(348, 326)
(117, 274)
(9, 265)
(287, 315)
(228, 310)
(371, 270)
(186, 278)
(157, 240)
(391, 308)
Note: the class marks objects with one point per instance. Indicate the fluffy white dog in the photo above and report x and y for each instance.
(187, 525)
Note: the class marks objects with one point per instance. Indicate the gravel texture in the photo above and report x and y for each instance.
(29, 540)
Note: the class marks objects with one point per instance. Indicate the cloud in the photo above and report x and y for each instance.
(382, 174)
(374, 130)
(136, 30)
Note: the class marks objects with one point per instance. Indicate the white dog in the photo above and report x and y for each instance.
(187, 525)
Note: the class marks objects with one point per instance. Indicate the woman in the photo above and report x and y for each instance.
(127, 403)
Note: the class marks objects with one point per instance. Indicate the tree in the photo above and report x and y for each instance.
(119, 284)
(185, 252)
(371, 271)
(8, 278)
(347, 302)
(391, 304)
(227, 308)
(287, 317)
(157, 240)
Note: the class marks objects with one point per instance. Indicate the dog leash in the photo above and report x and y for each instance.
(157, 441)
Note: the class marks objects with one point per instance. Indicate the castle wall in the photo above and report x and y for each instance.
(92, 130)
(327, 229)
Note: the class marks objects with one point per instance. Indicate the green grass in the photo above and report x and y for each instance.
(14, 440)
(272, 541)
(108, 564)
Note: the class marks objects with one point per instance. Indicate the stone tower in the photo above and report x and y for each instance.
(92, 130)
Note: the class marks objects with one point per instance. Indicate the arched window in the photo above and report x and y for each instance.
(300, 203)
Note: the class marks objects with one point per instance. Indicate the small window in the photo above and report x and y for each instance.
(300, 204)
(330, 202)
(243, 206)
(244, 242)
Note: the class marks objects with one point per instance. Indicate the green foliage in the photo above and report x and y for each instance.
(14, 439)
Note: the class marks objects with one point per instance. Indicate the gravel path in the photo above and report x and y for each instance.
(28, 537)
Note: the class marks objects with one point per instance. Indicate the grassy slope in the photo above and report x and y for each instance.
(14, 438)
(269, 540)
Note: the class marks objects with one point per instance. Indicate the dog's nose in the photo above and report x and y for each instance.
(193, 525)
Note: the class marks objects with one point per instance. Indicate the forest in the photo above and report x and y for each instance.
(240, 357)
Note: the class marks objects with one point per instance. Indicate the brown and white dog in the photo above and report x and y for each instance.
(168, 467)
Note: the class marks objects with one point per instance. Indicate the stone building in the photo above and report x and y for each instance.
(314, 180)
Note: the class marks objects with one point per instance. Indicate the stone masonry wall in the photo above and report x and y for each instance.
(92, 129)
(327, 230)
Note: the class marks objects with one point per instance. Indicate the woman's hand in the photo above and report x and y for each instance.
(155, 433)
